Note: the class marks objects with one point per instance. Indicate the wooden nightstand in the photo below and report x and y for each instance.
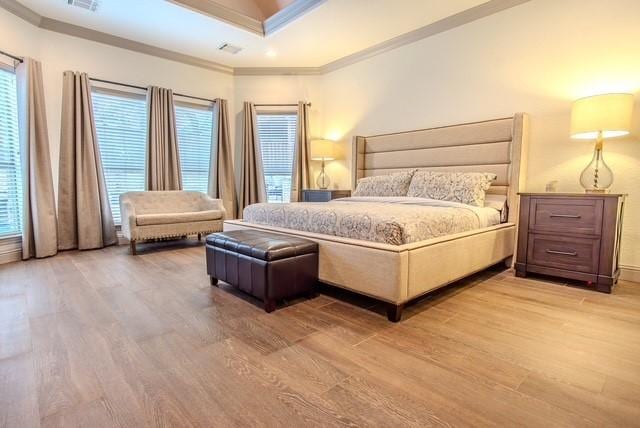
(571, 235)
(319, 195)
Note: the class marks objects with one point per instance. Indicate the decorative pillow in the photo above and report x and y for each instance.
(498, 202)
(464, 187)
(396, 184)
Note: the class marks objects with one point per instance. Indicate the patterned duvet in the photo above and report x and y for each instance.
(389, 220)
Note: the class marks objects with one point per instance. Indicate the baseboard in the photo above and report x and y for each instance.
(10, 249)
(10, 257)
(630, 273)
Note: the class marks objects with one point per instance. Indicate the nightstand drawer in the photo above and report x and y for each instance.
(313, 195)
(563, 252)
(317, 196)
(567, 216)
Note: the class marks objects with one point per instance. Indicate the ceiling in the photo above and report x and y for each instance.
(328, 32)
(256, 9)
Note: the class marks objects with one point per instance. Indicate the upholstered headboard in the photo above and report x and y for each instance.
(498, 146)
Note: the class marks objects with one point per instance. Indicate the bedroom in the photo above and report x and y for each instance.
(103, 337)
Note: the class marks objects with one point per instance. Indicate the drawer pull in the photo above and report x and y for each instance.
(565, 215)
(563, 253)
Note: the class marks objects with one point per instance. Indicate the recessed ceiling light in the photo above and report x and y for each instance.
(271, 53)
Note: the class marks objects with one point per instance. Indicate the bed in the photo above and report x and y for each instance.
(396, 269)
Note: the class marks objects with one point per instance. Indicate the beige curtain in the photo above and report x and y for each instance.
(252, 187)
(301, 178)
(85, 219)
(163, 158)
(39, 234)
(221, 178)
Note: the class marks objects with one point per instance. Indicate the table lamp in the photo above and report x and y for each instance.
(596, 118)
(323, 150)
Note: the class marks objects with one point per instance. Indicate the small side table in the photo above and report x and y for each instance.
(320, 195)
(571, 235)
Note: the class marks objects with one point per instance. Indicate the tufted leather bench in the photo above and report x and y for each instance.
(269, 266)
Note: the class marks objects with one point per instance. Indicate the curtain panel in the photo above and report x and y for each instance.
(252, 185)
(85, 217)
(301, 177)
(221, 175)
(163, 158)
(39, 223)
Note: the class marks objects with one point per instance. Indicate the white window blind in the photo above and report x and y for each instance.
(121, 125)
(195, 130)
(10, 177)
(277, 140)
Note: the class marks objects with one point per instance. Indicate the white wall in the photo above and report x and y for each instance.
(58, 52)
(535, 58)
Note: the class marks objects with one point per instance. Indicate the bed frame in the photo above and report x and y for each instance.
(397, 274)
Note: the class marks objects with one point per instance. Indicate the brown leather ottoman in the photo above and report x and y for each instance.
(266, 265)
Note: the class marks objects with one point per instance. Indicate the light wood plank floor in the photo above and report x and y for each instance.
(101, 338)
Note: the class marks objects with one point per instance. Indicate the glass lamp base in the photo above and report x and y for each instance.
(597, 177)
(323, 181)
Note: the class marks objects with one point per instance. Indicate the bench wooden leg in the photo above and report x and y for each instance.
(214, 281)
(394, 312)
(132, 246)
(269, 305)
(199, 236)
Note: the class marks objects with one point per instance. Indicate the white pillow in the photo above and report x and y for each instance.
(498, 202)
(464, 187)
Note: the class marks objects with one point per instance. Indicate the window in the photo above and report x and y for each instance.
(10, 179)
(195, 130)
(121, 125)
(277, 139)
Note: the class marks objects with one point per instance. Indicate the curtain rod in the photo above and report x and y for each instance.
(280, 105)
(16, 58)
(144, 89)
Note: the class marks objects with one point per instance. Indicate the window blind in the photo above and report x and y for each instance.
(277, 140)
(195, 130)
(10, 173)
(121, 125)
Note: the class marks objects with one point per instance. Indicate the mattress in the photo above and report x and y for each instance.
(389, 220)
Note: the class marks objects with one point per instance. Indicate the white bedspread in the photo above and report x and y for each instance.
(390, 220)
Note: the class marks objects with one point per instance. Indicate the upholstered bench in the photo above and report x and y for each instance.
(268, 266)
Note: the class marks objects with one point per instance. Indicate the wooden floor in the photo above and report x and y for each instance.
(101, 338)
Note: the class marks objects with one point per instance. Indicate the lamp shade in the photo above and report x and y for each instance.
(608, 113)
(323, 150)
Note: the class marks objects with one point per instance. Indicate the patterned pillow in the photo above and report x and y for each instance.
(396, 184)
(464, 187)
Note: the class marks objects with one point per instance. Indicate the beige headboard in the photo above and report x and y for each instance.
(498, 146)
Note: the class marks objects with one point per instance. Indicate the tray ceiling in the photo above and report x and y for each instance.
(331, 30)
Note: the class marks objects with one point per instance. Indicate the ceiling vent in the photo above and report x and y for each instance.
(230, 48)
(91, 5)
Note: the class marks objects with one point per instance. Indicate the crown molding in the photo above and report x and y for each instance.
(473, 14)
(120, 42)
(289, 13)
(223, 13)
(277, 71)
(21, 11)
(264, 28)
